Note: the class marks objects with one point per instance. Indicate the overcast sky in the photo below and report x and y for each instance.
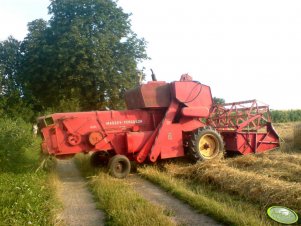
(242, 49)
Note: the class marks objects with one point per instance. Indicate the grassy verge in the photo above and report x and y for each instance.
(26, 196)
(122, 205)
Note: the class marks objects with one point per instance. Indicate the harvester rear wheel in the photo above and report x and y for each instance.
(205, 144)
(119, 166)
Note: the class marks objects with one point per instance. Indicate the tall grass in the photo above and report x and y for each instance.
(286, 133)
(26, 196)
(122, 205)
(222, 206)
(254, 187)
(297, 136)
(279, 166)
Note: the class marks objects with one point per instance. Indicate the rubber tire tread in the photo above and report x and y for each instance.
(115, 160)
(193, 152)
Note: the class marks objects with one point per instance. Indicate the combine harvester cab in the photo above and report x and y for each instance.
(163, 120)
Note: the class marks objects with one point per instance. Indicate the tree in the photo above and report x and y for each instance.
(11, 102)
(217, 100)
(9, 54)
(35, 71)
(86, 52)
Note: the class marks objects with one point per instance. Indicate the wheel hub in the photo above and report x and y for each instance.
(208, 146)
(119, 167)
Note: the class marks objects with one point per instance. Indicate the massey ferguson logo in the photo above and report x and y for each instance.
(124, 122)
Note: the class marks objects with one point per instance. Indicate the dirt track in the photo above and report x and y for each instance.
(79, 207)
(182, 213)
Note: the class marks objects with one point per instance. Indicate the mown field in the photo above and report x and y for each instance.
(237, 191)
(27, 197)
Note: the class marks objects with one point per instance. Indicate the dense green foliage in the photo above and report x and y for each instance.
(286, 115)
(11, 103)
(15, 139)
(24, 197)
(217, 100)
(83, 58)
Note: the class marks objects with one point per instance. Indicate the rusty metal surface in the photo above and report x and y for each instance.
(150, 95)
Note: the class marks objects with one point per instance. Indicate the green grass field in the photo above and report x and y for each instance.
(26, 197)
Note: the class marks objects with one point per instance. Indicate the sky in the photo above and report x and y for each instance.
(242, 49)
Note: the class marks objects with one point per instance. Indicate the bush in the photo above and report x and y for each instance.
(15, 138)
(26, 196)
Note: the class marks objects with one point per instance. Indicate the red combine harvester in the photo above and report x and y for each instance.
(163, 120)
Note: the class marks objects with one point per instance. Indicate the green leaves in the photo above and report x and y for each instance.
(15, 137)
(84, 57)
(86, 51)
(11, 103)
(217, 100)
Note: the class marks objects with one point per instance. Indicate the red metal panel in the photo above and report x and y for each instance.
(147, 147)
(49, 144)
(199, 112)
(150, 95)
(168, 142)
(192, 94)
(250, 142)
(136, 140)
(121, 121)
(190, 124)
(119, 144)
(105, 143)
(57, 142)
(80, 125)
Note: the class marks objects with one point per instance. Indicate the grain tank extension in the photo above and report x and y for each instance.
(163, 120)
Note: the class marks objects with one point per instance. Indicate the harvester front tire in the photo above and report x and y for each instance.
(119, 166)
(205, 144)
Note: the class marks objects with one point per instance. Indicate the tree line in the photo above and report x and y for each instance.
(286, 115)
(83, 58)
